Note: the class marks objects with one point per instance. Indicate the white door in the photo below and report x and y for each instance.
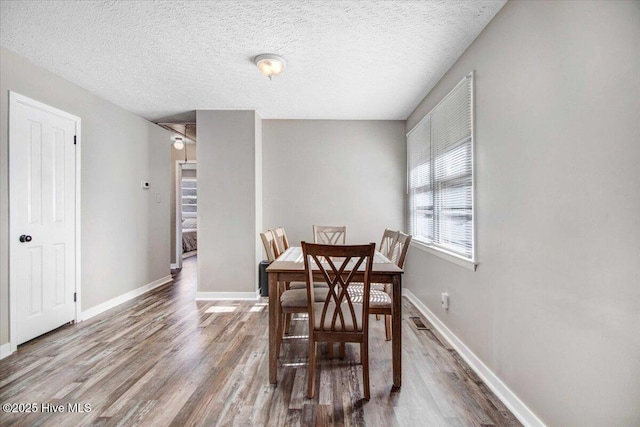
(41, 218)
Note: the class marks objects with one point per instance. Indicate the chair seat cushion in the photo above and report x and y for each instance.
(377, 298)
(374, 286)
(348, 318)
(303, 285)
(298, 297)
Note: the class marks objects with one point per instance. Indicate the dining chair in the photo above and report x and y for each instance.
(330, 235)
(338, 318)
(387, 245)
(270, 247)
(292, 304)
(282, 244)
(281, 239)
(380, 295)
(399, 252)
(292, 300)
(388, 242)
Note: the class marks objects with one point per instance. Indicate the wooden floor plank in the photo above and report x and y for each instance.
(164, 359)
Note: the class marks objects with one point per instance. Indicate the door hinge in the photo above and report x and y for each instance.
(75, 139)
(75, 296)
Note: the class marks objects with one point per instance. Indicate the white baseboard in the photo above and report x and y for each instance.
(5, 350)
(101, 308)
(508, 397)
(173, 266)
(227, 296)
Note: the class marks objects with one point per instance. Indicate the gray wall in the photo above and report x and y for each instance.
(228, 195)
(123, 228)
(175, 156)
(554, 307)
(332, 172)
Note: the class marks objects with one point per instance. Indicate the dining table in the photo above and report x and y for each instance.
(289, 267)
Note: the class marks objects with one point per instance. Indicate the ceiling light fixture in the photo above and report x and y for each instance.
(270, 64)
(178, 143)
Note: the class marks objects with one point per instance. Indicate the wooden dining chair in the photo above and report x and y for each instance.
(387, 245)
(388, 242)
(380, 295)
(281, 239)
(399, 252)
(290, 302)
(338, 318)
(330, 235)
(270, 247)
(292, 296)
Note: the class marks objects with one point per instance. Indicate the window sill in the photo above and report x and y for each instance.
(469, 265)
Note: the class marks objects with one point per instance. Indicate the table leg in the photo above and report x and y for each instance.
(396, 326)
(274, 314)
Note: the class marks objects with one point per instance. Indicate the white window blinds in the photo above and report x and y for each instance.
(440, 174)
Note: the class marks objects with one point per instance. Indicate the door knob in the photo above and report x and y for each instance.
(25, 238)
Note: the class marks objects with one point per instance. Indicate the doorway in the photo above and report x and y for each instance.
(186, 211)
(44, 218)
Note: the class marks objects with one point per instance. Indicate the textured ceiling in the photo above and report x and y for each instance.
(346, 60)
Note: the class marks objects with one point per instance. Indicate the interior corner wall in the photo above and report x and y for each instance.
(227, 148)
(123, 227)
(258, 159)
(334, 172)
(554, 306)
(176, 155)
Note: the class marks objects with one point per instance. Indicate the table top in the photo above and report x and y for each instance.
(291, 260)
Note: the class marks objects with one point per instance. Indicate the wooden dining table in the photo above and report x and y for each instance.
(289, 267)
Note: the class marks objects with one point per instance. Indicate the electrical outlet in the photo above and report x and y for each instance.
(444, 300)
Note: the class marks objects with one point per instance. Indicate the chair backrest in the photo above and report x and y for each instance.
(270, 247)
(330, 235)
(389, 239)
(338, 314)
(282, 243)
(400, 249)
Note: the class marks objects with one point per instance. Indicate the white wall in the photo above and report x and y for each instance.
(123, 228)
(332, 172)
(554, 307)
(228, 202)
(176, 155)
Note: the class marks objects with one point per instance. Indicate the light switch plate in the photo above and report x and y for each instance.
(444, 300)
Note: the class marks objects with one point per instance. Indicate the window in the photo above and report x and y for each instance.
(440, 175)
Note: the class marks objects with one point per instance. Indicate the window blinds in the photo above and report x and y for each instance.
(440, 174)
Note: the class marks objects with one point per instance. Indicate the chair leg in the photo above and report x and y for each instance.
(279, 335)
(311, 370)
(377, 317)
(287, 317)
(365, 369)
(330, 350)
(387, 326)
(342, 350)
(287, 323)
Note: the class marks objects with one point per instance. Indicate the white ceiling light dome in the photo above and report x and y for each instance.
(270, 64)
(178, 143)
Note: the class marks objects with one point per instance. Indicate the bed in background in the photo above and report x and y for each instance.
(189, 235)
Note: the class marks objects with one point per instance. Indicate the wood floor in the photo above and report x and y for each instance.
(164, 359)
